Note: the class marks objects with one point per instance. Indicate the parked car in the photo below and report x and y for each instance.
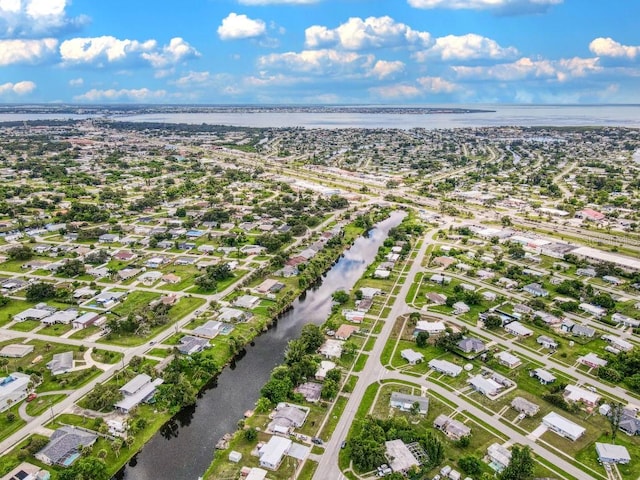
(31, 397)
(343, 444)
(317, 441)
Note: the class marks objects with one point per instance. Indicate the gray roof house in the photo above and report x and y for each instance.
(64, 446)
(608, 453)
(523, 405)
(452, 428)
(404, 402)
(61, 363)
(471, 345)
(412, 356)
(140, 389)
(287, 417)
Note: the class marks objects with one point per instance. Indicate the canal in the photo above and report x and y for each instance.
(183, 448)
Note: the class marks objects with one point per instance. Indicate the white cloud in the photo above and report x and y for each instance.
(137, 95)
(26, 51)
(236, 27)
(277, 2)
(36, 18)
(279, 80)
(383, 69)
(396, 91)
(76, 82)
(607, 47)
(19, 88)
(193, 78)
(97, 50)
(436, 85)
(466, 47)
(177, 51)
(561, 70)
(504, 6)
(372, 32)
(321, 62)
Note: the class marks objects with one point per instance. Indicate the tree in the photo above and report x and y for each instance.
(72, 268)
(312, 336)
(329, 389)
(463, 442)
(250, 434)
(20, 252)
(88, 468)
(521, 465)
(263, 405)
(340, 296)
(433, 448)
(615, 415)
(470, 465)
(515, 250)
(37, 292)
(422, 339)
(492, 322)
(277, 390)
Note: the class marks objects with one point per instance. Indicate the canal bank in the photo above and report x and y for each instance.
(183, 447)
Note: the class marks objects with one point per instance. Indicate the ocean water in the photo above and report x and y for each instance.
(503, 115)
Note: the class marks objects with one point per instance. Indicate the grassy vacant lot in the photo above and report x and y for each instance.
(13, 307)
(10, 422)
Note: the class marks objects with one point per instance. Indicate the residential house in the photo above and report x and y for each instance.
(65, 445)
(247, 301)
(486, 386)
(460, 308)
(440, 279)
(233, 315)
(536, 290)
(273, 452)
(209, 330)
(432, 328)
(109, 238)
(353, 316)
(586, 272)
(547, 342)
(345, 331)
(400, 457)
(61, 363)
(592, 360)
(171, 278)
(436, 298)
(524, 406)
(508, 360)
(27, 471)
(38, 313)
(563, 427)
(310, 391)
(625, 320)
(445, 367)
(13, 389)
(412, 356)
(189, 345)
(471, 345)
(136, 391)
(404, 402)
(618, 343)
(544, 377)
(593, 310)
(63, 317)
(287, 417)
(518, 329)
(331, 348)
(16, 350)
(109, 299)
(325, 367)
(452, 428)
(573, 393)
(85, 320)
(612, 454)
(499, 456)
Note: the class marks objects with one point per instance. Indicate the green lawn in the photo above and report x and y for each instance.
(25, 326)
(10, 422)
(12, 308)
(42, 403)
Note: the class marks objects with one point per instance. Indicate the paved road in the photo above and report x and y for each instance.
(375, 371)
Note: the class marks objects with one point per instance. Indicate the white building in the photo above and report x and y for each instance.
(272, 453)
(446, 367)
(563, 427)
(13, 388)
(608, 453)
(139, 389)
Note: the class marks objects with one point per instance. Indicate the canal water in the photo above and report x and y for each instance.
(184, 447)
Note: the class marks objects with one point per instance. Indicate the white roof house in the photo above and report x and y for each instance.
(499, 456)
(61, 363)
(573, 393)
(405, 402)
(508, 359)
(31, 314)
(432, 328)
(247, 301)
(272, 453)
(446, 367)
(400, 457)
(592, 360)
(13, 388)
(412, 356)
(324, 368)
(608, 453)
(208, 330)
(137, 390)
(331, 348)
(16, 350)
(65, 317)
(486, 386)
(562, 426)
(618, 343)
(518, 329)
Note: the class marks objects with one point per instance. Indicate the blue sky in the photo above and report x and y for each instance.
(320, 51)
